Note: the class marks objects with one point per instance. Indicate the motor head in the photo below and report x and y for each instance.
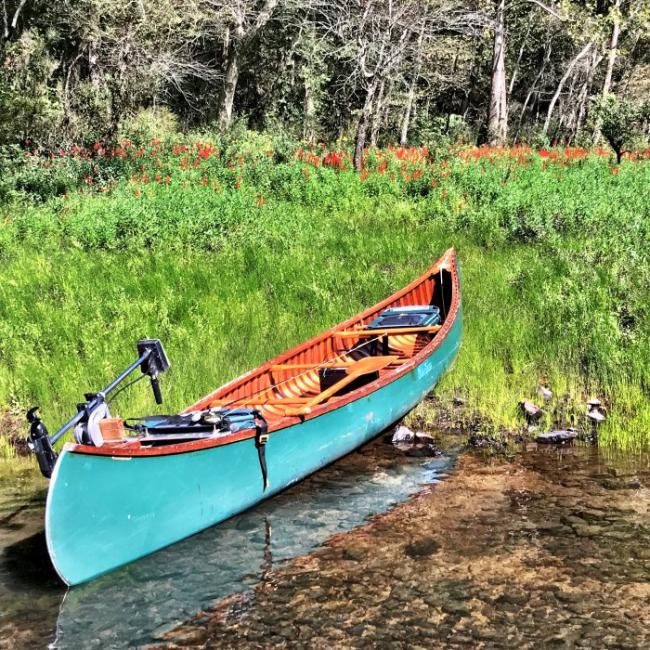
(39, 443)
(155, 364)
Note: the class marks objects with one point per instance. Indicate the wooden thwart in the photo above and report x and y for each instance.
(387, 332)
(327, 364)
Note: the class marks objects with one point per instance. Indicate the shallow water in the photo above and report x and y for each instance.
(138, 603)
(550, 548)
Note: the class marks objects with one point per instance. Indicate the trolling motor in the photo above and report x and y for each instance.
(152, 361)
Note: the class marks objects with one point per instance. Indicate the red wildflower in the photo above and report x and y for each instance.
(333, 159)
(204, 180)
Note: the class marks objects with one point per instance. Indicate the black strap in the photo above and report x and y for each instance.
(261, 438)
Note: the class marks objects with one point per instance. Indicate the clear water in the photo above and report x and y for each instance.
(546, 548)
(138, 603)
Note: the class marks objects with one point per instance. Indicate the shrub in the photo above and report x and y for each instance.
(148, 124)
(619, 122)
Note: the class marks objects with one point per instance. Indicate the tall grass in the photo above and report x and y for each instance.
(230, 266)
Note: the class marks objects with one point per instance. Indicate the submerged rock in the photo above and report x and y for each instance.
(418, 445)
(485, 441)
(557, 437)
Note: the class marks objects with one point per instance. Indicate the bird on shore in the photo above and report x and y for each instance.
(595, 412)
(531, 411)
(545, 392)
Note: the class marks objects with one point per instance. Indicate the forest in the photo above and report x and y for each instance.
(366, 72)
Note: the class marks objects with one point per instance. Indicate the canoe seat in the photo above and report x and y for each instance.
(357, 369)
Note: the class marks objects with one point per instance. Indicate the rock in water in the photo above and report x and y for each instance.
(403, 434)
(595, 415)
(422, 451)
(424, 438)
(557, 437)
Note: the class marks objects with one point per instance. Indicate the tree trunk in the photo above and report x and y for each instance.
(227, 98)
(498, 115)
(362, 128)
(410, 98)
(404, 135)
(611, 58)
(309, 122)
(584, 94)
(533, 89)
(558, 90)
(377, 115)
(515, 72)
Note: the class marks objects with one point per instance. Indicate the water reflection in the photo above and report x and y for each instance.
(139, 602)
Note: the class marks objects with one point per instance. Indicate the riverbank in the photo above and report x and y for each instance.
(549, 548)
(234, 256)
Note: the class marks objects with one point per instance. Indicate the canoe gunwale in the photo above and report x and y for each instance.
(447, 262)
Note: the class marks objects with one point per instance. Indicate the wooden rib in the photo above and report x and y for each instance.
(261, 401)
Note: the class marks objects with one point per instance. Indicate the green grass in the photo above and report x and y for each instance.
(555, 269)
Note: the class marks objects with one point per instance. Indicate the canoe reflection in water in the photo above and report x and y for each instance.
(139, 602)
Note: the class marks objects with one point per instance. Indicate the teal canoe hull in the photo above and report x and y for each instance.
(106, 511)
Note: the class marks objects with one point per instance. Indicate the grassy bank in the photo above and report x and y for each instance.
(232, 256)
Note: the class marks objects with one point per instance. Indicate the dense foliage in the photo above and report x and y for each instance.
(231, 250)
(373, 71)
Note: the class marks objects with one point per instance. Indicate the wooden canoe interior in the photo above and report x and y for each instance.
(290, 385)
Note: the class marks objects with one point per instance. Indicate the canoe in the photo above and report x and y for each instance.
(111, 504)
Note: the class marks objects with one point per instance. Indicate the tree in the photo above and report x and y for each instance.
(619, 121)
(498, 115)
(237, 23)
